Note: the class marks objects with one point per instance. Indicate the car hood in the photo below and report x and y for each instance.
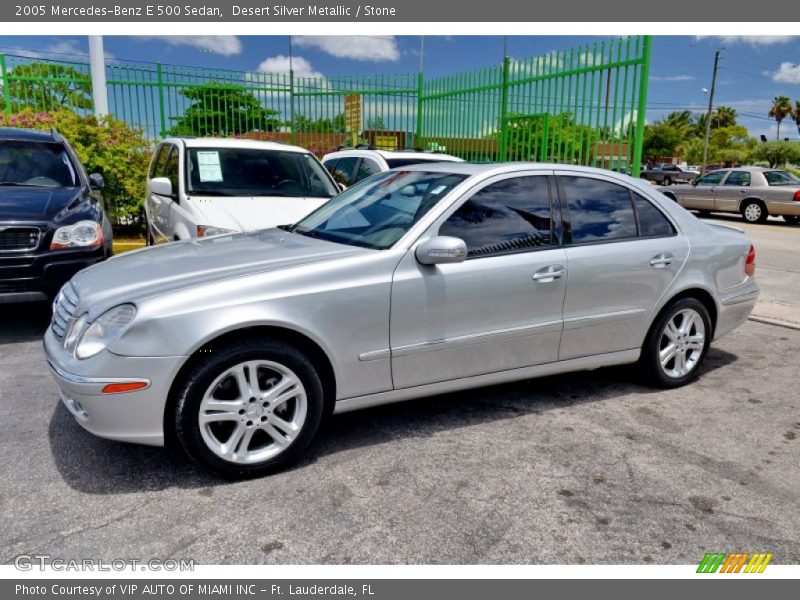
(36, 203)
(242, 213)
(162, 269)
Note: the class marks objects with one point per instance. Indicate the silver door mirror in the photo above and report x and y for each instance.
(161, 186)
(440, 250)
(342, 187)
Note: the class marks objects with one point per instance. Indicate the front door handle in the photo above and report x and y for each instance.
(661, 260)
(549, 273)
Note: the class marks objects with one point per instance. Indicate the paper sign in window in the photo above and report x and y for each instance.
(208, 166)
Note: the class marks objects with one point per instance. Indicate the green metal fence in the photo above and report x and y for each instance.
(581, 106)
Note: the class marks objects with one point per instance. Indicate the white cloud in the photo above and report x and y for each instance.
(226, 45)
(280, 65)
(673, 78)
(355, 47)
(63, 49)
(787, 73)
(752, 40)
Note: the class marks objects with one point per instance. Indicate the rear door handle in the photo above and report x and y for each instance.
(661, 260)
(549, 273)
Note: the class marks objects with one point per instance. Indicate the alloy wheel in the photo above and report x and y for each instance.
(252, 412)
(682, 343)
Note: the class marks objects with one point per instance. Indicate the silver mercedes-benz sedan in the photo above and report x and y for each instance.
(418, 281)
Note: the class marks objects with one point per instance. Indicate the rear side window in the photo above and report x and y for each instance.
(652, 222)
(157, 166)
(509, 216)
(598, 211)
(738, 178)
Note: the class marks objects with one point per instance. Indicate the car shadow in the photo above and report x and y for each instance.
(737, 220)
(96, 466)
(23, 322)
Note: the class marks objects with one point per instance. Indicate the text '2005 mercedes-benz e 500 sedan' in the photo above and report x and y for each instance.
(418, 281)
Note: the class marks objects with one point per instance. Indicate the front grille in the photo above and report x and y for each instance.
(64, 309)
(19, 238)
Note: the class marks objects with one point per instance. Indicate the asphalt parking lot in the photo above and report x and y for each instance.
(580, 468)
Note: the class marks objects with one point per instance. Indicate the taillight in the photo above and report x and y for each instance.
(750, 263)
(796, 196)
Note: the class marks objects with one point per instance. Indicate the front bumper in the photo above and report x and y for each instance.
(137, 416)
(39, 276)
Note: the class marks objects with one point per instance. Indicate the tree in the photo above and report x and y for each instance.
(43, 87)
(661, 139)
(724, 116)
(376, 124)
(796, 114)
(776, 153)
(222, 110)
(780, 109)
(304, 124)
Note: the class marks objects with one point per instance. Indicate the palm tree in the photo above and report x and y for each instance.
(725, 116)
(780, 109)
(796, 114)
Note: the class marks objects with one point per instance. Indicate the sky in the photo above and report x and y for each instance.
(753, 69)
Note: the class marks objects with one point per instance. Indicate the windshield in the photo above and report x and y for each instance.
(780, 178)
(256, 172)
(36, 164)
(378, 211)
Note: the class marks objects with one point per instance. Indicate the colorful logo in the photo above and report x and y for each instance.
(738, 562)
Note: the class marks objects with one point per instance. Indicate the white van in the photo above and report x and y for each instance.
(207, 186)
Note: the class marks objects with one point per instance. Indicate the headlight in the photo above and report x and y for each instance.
(208, 230)
(104, 331)
(83, 234)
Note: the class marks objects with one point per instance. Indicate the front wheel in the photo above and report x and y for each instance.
(667, 181)
(676, 344)
(249, 408)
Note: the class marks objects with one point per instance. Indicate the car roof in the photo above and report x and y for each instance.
(213, 142)
(386, 154)
(469, 169)
(29, 135)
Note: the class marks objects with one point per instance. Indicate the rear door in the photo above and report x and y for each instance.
(732, 190)
(623, 252)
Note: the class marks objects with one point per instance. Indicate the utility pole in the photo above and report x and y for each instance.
(708, 114)
(97, 65)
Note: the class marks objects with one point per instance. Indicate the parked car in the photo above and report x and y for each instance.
(349, 166)
(199, 187)
(667, 174)
(52, 222)
(753, 192)
(422, 280)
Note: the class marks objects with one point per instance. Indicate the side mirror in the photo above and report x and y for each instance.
(440, 250)
(342, 187)
(161, 186)
(694, 181)
(96, 181)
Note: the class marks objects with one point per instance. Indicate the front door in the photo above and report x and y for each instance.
(498, 310)
(622, 255)
(701, 196)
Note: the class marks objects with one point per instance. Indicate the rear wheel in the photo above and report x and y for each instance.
(249, 408)
(667, 180)
(676, 344)
(791, 219)
(754, 211)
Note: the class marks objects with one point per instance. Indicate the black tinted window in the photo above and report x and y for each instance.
(598, 210)
(507, 216)
(711, 178)
(345, 169)
(652, 222)
(738, 178)
(171, 169)
(157, 167)
(366, 168)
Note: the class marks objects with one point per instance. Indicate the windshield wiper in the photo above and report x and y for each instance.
(17, 184)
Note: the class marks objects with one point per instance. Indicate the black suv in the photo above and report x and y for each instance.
(52, 222)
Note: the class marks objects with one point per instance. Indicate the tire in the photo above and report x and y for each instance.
(753, 211)
(149, 237)
(669, 329)
(791, 219)
(703, 214)
(667, 181)
(241, 437)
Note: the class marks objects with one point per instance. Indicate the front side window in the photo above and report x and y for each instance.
(780, 178)
(344, 170)
(36, 164)
(711, 179)
(367, 168)
(509, 216)
(598, 210)
(256, 172)
(738, 178)
(159, 160)
(379, 211)
(171, 169)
